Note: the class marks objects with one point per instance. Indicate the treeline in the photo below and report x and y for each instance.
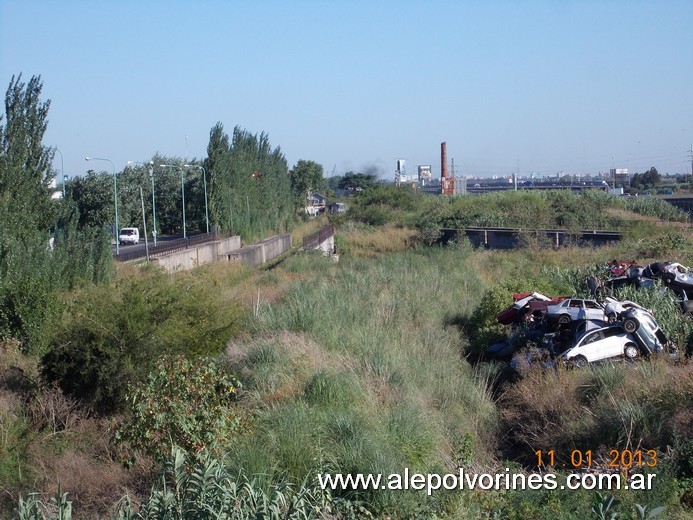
(158, 184)
(250, 188)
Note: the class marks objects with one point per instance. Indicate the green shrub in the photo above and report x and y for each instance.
(31, 277)
(111, 335)
(183, 403)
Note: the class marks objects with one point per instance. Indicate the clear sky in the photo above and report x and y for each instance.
(539, 86)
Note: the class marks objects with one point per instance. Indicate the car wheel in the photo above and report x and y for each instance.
(668, 278)
(630, 351)
(579, 361)
(611, 318)
(563, 319)
(630, 325)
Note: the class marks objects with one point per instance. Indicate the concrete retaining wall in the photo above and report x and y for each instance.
(264, 251)
(228, 250)
(196, 256)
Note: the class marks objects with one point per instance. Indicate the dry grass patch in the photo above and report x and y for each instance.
(275, 366)
(610, 406)
(370, 243)
(496, 265)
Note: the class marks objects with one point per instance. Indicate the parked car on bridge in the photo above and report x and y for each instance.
(129, 235)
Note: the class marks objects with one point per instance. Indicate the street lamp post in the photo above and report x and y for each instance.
(182, 190)
(115, 197)
(150, 164)
(151, 176)
(204, 178)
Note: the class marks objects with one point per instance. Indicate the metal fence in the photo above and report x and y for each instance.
(315, 239)
(171, 246)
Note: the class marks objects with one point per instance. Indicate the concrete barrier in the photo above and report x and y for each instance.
(228, 250)
(275, 246)
(196, 256)
(264, 251)
(249, 255)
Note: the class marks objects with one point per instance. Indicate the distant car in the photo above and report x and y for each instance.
(603, 343)
(129, 235)
(642, 326)
(575, 309)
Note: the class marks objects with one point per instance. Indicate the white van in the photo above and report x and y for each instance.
(129, 235)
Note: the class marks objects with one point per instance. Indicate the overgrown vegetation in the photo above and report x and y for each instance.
(361, 366)
(41, 250)
(111, 335)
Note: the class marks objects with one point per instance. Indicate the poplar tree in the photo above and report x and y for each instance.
(25, 163)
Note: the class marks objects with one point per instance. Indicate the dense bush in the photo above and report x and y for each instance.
(32, 275)
(380, 205)
(200, 490)
(655, 207)
(111, 335)
(183, 403)
(539, 210)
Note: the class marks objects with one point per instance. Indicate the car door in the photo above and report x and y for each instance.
(576, 309)
(589, 346)
(593, 310)
(614, 342)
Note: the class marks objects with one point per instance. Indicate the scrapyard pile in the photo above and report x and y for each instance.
(578, 331)
(673, 276)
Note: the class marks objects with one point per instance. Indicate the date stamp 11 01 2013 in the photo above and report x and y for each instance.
(617, 459)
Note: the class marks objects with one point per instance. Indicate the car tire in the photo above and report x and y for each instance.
(631, 351)
(611, 318)
(580, 361)
(668, 278)
(563, 319)
(631, 325)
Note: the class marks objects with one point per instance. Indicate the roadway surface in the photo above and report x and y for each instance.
(140, 248)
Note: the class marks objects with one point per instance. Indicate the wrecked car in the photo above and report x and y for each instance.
(603, 343)
(521, 307)
(613, 308)
(575, 309)
(643, 327)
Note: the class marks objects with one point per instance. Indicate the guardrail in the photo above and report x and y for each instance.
(171, 246)
(509, 238)
(315, 239)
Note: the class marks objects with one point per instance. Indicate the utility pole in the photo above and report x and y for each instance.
(690, 154)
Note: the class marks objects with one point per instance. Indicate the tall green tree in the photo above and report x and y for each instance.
(306, 177)
(249, 185)
(32, 268)
(646, 180)
(25, 163)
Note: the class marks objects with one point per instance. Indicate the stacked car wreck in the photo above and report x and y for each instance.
(577, 331)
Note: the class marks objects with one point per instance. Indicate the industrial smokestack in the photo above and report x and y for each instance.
(443, 160)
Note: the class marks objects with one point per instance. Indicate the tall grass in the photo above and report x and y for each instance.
(378, 383)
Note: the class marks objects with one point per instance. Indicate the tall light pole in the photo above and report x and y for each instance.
(115, 198)
(182, 190)
(150, 165)
(204, 178)
(151, 176)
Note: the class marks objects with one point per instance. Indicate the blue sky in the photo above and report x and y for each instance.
(539, 86)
